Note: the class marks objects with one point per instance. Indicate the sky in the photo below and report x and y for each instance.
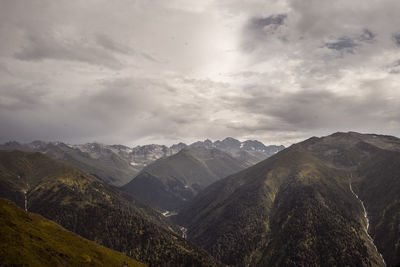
(153, 71)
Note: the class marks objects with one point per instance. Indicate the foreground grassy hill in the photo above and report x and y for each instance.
(87, 206)
(28, 239)
(297, 207)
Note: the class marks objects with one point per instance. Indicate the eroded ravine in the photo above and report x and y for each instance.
(366, 219)
(26, 202)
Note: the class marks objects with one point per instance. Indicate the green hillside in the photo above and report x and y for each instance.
(87, 206)
(28, 239)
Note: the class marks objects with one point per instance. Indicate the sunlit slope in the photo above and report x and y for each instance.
(29, 239)
(87, 206)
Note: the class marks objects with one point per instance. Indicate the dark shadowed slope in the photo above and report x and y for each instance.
(167, 183)
(87, 206)
(29, 239)
(296, 208)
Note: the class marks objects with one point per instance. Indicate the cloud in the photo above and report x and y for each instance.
(14, 97)
(259, 30)
(396, 39)
(318, 110)
(109, 44)
(344, 43)
(142, 71)
(347, 44)
(50, 46)
(260, 23)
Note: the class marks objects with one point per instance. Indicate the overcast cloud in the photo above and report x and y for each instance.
(138, 71)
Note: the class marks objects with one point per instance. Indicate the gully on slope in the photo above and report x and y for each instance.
(366, 218)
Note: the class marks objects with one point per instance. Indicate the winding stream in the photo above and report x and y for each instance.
(367, 220)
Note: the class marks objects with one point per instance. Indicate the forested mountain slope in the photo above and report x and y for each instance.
(301, 206)
(87, 206)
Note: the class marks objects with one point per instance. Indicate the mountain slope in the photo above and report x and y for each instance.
(167, 183)
(297, 207)
(30, 239)
(87, 206)
(99, 160)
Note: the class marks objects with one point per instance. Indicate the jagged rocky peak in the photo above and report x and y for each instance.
(199, 144)
(11, 145)
(37, 144)
(228, 142)
(95, 150)
(208, 143)
(120, 147)
(178, 147)
(253, 145)
(94, 146)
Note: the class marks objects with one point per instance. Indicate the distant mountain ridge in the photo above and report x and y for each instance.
(96, 159)
(248, 152)
(119, 164)
(168, 182)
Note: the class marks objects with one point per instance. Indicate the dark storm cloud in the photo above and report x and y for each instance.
(258, 24)
(349, 45)
(367, 36)
(258, 30)
(344, 43)
(396, 39)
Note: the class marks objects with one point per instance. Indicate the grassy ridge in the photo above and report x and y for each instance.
(29, 239)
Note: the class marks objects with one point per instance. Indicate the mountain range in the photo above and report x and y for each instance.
(119, 164)
(326, 201)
